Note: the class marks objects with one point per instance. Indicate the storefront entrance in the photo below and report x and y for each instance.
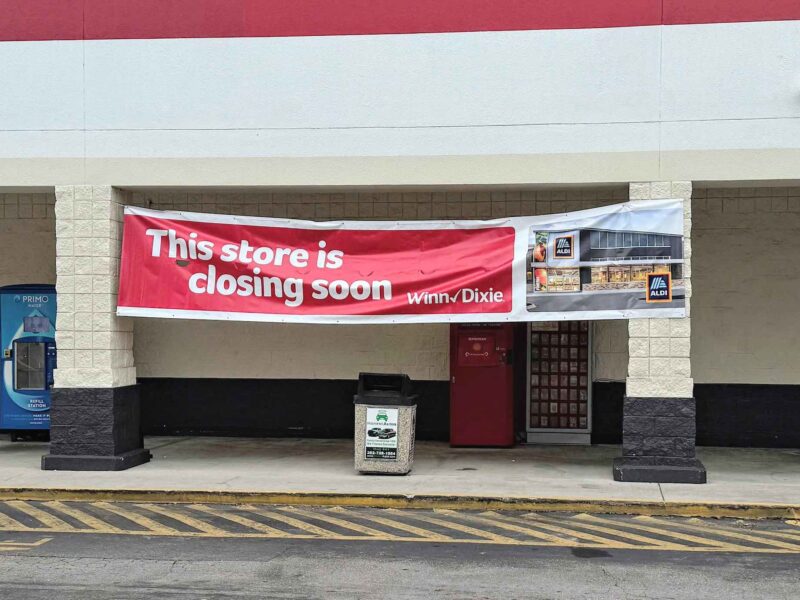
(546, 370)
(224, 378)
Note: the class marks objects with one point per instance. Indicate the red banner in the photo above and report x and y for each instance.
(215, 266)
(591, 264)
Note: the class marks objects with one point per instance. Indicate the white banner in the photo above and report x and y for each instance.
(615, 262)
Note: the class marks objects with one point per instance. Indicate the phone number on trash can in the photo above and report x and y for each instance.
(381, 453)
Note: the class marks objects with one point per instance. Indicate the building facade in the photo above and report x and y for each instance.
(453, 110)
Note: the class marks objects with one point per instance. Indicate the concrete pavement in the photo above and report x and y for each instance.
(272, 466)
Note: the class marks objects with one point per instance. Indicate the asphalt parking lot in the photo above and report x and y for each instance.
(137, 550)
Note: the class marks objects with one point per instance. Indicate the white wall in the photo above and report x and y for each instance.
(172, 348)
(679, 102)
(175, 348)
(27, 239)
(746, 285)
(610, 346)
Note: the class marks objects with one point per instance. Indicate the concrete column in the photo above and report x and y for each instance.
(658, 428)
(95, 422)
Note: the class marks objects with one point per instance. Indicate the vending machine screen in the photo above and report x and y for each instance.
(35, 325)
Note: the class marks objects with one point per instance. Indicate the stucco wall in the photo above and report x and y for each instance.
(175, 348)
(610, 344)
(746, 285)
(27, 239)
(482, 107)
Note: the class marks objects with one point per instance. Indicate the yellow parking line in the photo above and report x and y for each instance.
(149, 524)
(552, 523)
(291, 521)
(7, 523)
(17, 545)
(488, 527)
(487, 535)
(563, 531)
(48, 520)
(418, 531)
(666, 533)
(186, 519)
(250, 523)
(376, 533)
(712, 530)
(496, 520)
(793, 531)
(83, 517)
(784, 534)
(652, 542)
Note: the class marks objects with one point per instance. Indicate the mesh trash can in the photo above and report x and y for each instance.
(386, 413)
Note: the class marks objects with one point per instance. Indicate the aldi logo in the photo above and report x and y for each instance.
(659, 287)
(564, 247)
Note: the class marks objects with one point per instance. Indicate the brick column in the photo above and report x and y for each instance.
(658, 426)
(95, 401)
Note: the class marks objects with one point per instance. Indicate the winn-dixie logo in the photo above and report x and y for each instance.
(659, 287)
(465, 295)
(564, 247)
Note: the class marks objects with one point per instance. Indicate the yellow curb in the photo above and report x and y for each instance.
(581, 505)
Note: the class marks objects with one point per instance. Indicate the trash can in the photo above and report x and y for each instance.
(386, 413)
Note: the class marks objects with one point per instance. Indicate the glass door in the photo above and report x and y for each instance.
(29, 366)
(559, 382)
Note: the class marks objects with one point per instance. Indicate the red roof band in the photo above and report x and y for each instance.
(28, 20)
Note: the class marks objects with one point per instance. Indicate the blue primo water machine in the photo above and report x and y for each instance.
(28, 346)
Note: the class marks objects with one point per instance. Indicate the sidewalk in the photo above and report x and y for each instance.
(311, 471)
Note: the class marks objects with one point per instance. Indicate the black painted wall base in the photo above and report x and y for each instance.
(607, 398)
(748, 415)
(308, 408)
(95, 429)
(658, 442)
(659, 470)
(120, 462)
(765, 416)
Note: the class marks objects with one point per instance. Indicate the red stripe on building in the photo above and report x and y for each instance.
(23, 20)
(145, 19)
(267, 18)
(687, 12)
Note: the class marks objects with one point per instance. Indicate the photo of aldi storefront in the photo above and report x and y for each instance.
(602, 269)
(603, 330)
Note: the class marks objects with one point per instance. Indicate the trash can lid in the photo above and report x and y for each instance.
(385, 400)
(391, 389)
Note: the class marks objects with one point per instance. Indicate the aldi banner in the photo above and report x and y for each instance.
(615, 262)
